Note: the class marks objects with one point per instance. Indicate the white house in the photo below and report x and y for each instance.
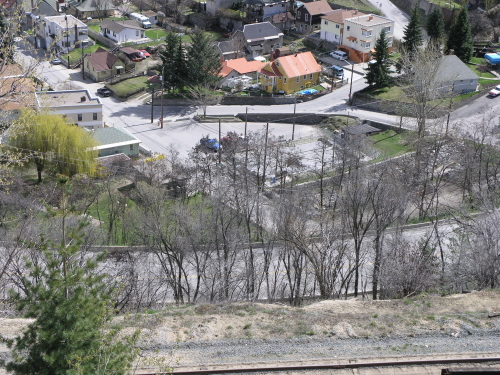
(332, 24)
(63, 33)
(114, 141)
(76, 105)
(259, 10)
(361, 33)
(122, 31)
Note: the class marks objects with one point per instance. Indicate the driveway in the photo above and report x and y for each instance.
(394, 13)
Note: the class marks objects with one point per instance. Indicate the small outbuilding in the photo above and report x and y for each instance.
(116, 141)
(359, 130)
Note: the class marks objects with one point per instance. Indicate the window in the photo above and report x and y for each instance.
(79, 117)
(348, 28)
(389, 41)
(305, 76)
(387, 29)
(280, 78)
(298, 79)
(94, 116)
(137, 33)
(298, 14)
(325, 22)
(310, 76)
(366, 32)
(365, 44)
(337, 26)
(284, 80)
(131, 147)
(307, 17)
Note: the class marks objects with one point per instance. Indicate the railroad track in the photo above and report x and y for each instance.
(446, 363)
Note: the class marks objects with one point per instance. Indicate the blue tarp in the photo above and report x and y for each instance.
(308, 92)
(492, 58)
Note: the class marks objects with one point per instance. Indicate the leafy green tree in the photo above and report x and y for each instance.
(174, 62)
(70, 304)
(435, 26)
(412, 38)
(378, 71)
(48, 139)
(460, 37)
(203, 62)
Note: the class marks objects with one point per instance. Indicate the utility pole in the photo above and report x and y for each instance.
(162, 93)
(83, 65)
(350, 89)
(246, 150)
(67, 37)
(152, 101)
(449, 110)
(293, 127)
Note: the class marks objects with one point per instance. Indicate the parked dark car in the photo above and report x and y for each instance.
(104, 92)
(210, 143)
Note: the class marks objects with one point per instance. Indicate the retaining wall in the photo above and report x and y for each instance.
(102, 39)
(287, 118)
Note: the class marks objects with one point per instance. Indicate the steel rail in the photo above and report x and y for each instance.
(327, 366)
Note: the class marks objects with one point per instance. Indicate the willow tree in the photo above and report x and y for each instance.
(48, 140)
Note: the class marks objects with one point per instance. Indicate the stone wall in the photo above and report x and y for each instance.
(257, 100)
(286, 118)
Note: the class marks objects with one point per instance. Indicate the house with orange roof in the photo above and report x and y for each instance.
(332, 24)
(239, 67)
(308, 16)
(290, 73)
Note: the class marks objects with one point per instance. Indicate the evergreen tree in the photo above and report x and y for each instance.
(412, 38)
(460, 37)
(174, 64)
(435, 26)
(203, 62)
(71, 305)
(378, 71)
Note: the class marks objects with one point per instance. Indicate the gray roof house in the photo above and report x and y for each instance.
(122, 31)
(454, 75)
(116, 141)
(91, 8)
(259, 38)
(230, 49)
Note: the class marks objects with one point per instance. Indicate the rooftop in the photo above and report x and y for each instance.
(61, 21)
(260, 31)
(296, 65)
(113, 136)
(360, 129)
(451, 68)
(340, 15)
(317, 7)
(118, 26)
(65, 98)
(241, 65)
(369, 20)
(102, 60)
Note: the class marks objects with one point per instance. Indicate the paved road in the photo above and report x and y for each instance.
(394, 13)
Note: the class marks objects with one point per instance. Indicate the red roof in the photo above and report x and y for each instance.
(241, 65)
(294, 65)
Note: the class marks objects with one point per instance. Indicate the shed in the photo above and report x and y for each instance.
(357, 130)
(115, 141)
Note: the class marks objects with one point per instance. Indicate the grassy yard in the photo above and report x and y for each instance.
(156, 34)
(361, 5)
(449, 4)
(395, 93)
(77, 53)
(488, 81)
(94, 28)
(389, 144)
(124, 88)
(481, 71)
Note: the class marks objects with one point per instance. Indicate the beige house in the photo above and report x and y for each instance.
(332, 24)
(102, 65)
(361, 33)
(76, 105)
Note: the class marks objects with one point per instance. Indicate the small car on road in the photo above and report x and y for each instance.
(103, 91)
(495, 92)
(339, 55)
(56, 62)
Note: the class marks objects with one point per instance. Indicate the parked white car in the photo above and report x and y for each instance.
(495, 92)
(339, 55)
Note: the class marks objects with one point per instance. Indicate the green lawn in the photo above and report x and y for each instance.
(361, 5)
(389, 144)
(488, 81)
(389, 93)
(124, 88)
(449, 4)
(77, 53)
(481, 71)
(156, 34)
(94, 28)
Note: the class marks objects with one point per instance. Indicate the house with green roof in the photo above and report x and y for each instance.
(116, 141)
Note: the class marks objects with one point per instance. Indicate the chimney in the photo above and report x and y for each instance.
(355, 11)
(452, 52)
(83, 99)
(57, 7)
(370, 18)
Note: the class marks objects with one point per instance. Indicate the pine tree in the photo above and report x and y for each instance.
(460, 37)
(174, 64)
(71, 305)
(203, 62)
(378, 71)
(412, 38)
(435, 26)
